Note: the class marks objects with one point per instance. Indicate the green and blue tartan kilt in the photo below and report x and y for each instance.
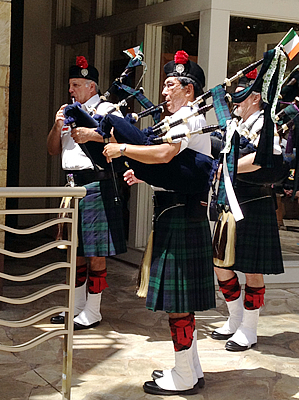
(100, 224)
(181, 276)
(258, 248)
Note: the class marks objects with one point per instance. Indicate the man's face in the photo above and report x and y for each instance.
(80, 89)
(249, 106)
(175, 95)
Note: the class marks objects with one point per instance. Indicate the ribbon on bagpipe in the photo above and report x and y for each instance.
(229, 155)
(224, 207)
(226, 193)
(143, 100)
(220, 106)
(268, 82)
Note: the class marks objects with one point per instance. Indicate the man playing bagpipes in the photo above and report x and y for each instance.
(257, 246)
(100, 227)
(181, 275)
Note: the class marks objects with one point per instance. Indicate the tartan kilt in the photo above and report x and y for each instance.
(258, 248)
(181, 276)
(100, 223)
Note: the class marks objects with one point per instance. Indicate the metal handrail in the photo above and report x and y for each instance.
(70, 266)
(49, 191)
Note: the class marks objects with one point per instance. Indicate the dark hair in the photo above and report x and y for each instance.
(184, 81)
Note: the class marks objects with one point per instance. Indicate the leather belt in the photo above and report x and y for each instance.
(195, 209)
(248, 192)
(85, 176)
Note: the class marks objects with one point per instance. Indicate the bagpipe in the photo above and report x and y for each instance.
(188, 172)
(187, 169)
(126, 132)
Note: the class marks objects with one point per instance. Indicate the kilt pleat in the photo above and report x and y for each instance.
(181, 277)
(100, 225)
(258, 247)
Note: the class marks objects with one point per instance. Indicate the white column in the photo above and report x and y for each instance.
(63, 13)
(213, 48)
(102, 60)
(152, 55)
(104, 8)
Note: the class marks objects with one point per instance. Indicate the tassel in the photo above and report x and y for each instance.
(145, 266)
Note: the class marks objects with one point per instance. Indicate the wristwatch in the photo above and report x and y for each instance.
(123, 148)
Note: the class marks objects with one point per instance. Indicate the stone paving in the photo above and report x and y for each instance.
(112, 361)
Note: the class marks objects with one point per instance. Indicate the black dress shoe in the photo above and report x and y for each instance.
(152, 388)
(233, 346)
(79, 327)
(221, 336)
(158, 373)
(57, 319)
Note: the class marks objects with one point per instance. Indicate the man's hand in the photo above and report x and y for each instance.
(59, 117)
(130, 177)
(111, 150)
(53, 139)
(83, 135)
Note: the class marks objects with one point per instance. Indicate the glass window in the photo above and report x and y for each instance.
(244, 37)
(151, 2)
(121, 6)
(181, 36)
(119, 60)
(81, 11)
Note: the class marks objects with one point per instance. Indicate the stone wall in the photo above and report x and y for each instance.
(5, 18)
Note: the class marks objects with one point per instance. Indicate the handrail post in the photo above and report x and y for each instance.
(34, 192)
(69, 316)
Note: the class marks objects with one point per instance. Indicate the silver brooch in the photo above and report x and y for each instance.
(179, 68)
(84, 72)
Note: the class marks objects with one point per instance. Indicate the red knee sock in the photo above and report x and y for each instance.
(254, 297)
(231, 288)
(97, 281)
(81, 274)
(182, 331)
